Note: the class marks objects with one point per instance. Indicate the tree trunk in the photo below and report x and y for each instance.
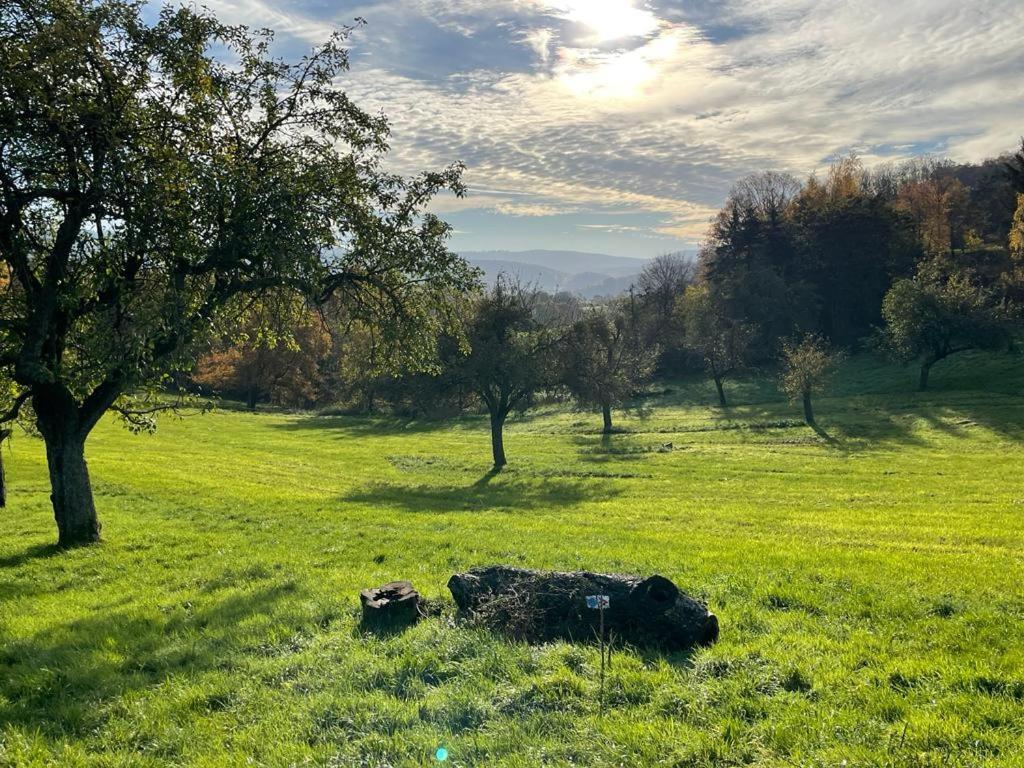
(721, 392)
(808, 409)
(606, 411)
(252, 399)
(70, 489)
(926, 369)
(3, 478)
(498, 440)
(540, 606)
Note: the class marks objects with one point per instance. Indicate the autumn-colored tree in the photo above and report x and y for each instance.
(1017, 233)
(938, 207)
(276, 359)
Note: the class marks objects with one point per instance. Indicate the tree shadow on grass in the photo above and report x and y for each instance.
(866, 422)
(506, 490)
(35, 552)
(363, 426)
(59, 680)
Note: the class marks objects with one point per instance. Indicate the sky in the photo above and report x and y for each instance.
(619, 126)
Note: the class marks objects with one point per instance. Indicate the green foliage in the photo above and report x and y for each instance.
(722, 342)
(807, 365)
(935, 315)
(218, 625)
(604, 362)
(511, 351)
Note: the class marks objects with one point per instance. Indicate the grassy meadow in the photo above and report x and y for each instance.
(869, 582)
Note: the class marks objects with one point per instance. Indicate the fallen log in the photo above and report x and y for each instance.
(539, 606)
(392, 605)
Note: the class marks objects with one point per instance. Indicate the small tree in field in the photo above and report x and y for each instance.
(603, 361)
(932, 316)
(806, 367)
(511, 356)
(722, 342)
(148, 187)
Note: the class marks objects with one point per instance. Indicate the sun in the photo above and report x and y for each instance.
(608, 20)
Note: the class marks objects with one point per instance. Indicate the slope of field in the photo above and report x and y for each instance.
(868, 581)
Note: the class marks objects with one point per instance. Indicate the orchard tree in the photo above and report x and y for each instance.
(806, 366)
(722, 342)
(149, 186)
(604, 363)
(8, 407)
(933, 316)
(511, 355)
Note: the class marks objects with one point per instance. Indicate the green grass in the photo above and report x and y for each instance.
(870, 586)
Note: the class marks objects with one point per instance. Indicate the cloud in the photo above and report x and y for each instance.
(659, 106)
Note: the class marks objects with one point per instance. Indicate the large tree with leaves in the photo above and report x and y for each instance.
(149, 186)
(512, 355)
(938, 314)
(722, 342)
(604, 361)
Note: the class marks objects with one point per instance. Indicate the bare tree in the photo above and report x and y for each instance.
(768, 193)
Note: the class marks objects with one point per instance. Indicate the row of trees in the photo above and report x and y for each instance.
(765, 266)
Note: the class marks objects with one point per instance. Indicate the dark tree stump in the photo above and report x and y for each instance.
(391, 606)
(539, 606)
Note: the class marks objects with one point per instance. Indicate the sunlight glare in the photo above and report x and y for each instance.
(608, 19)
(621, 75)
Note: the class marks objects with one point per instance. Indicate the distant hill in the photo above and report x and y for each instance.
(569, 262)
(587, 274)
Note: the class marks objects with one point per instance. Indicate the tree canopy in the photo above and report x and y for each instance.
(935, 315)
(511, 355)
(807, 363)
(604, 361)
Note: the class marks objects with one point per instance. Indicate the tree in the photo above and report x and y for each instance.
(935, 315)
(1017, 233)
(722, 342)
(1015, 169)
(604, 362)
(807, 364)
(510, 358)
(852, 244)
(277, 359)
(148, 187)
(658, 287)
(938, 208)
(7, 406)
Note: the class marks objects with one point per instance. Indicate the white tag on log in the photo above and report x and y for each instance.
(598, 601)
